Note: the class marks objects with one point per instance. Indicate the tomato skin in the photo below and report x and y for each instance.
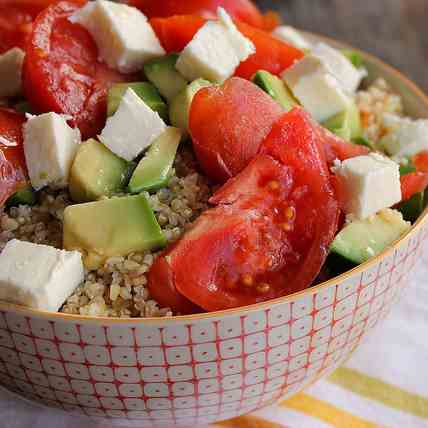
(272, 225)
(16, 18)
(175, 32)
(162, 289)
(421, 161)
(413, 183)
(243, 10)
(336, 148)
(272, 54)
(13, 169)
(228, 124)
(61, 71)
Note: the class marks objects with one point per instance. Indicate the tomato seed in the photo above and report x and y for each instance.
(247, 280)
(273, 185)
(263, 288)
(290, 212)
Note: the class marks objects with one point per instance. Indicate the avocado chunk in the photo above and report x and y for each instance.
(24, 196)
(97, 172)
(276, 88)
(364, 239)
(346, 124)
(145, 90)
(163, 74)
(111, 227)
(179, 108)
(154, 170)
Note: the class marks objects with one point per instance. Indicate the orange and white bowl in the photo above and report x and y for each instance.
(205, 368)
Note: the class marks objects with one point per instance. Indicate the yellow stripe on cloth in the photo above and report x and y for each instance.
(249, 422)
(337, 418)
(377, 390)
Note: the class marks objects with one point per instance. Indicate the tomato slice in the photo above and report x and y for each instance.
(13, 170)
(228, 124)
(337, 148)
(243, 10)
(175, 32)
(270, 231)
(167, 295)
(62, 72)
(413, 183)
(16, 18)
(272, 54)
(421, 161)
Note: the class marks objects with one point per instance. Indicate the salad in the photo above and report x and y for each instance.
(163, 158)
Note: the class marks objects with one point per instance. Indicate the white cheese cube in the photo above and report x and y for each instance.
(50, 146)
(319, 92)
(369, 183)
(339, 66)
(124, 37)
(132, 128)
(215, 51)
(405, 137)
(10, 72)
(38, 276)
(291, 36)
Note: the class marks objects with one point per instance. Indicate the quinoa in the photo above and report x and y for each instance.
(117, 289)
(373, 103)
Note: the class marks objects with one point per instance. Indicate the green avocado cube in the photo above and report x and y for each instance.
(97, 172)
(276, 88)
(361, 240)
(346, 124)
(163, 74)
(154, 170)
(179, 108)
(111, 227)
(145, 90)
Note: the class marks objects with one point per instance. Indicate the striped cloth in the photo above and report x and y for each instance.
(385, 384)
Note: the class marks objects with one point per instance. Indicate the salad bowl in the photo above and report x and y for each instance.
(199, 369)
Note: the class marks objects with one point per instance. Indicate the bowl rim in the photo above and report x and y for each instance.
(423, 219)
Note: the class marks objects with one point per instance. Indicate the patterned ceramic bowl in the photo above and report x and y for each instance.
(205, 368)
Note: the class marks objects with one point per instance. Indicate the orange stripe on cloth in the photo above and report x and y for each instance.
(326, 412)
(249, 422)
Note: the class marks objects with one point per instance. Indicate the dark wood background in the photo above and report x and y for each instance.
(394, 30)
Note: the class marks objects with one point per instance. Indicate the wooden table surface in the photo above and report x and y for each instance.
(394, 30)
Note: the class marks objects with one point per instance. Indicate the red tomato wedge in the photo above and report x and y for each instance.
(242, 10)
(336, 148)
(269, 233)
(175, 32)
(421, 161)
(271, 55)
(62, 72)
(13, 170)
(228, 124)
(413, 183)
(167, 295)
(16, 18)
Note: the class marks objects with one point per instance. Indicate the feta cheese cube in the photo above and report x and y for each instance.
(124, 37)
(215, 51)
(339, 66)
(291, 36)
(132, 128)
(369, 183)
(10, 72)
(38, 276)
(50, 146)
(319, 92)
(405, 137)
